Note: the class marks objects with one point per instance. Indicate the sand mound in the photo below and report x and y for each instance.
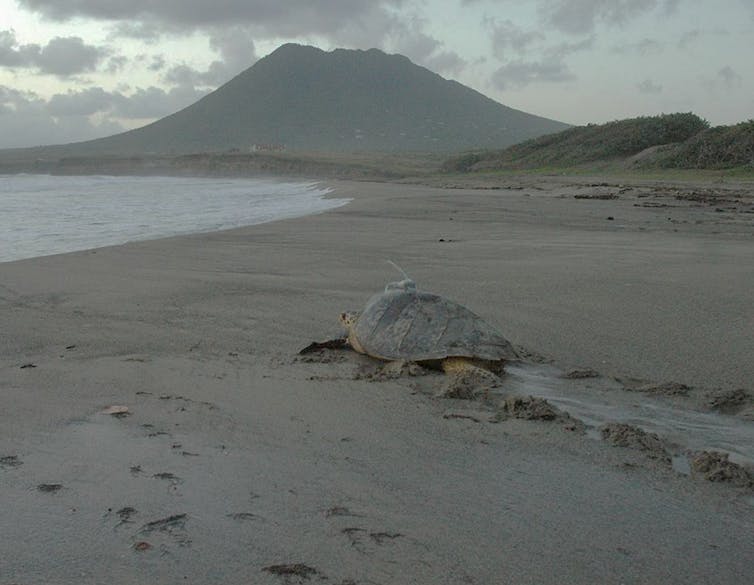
(624, 435)
(715, 466)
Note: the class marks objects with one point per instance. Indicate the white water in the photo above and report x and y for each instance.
(42, 214)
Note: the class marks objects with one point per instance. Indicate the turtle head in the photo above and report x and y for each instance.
(348, 319)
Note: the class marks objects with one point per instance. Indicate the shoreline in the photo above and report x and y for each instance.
(240, 455)
(72, 235)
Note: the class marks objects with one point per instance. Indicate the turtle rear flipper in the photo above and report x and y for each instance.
(466, 379)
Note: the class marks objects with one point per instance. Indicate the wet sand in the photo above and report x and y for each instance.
(240, 461)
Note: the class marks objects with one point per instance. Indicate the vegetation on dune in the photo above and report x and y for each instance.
(721, 147)
(585, 144)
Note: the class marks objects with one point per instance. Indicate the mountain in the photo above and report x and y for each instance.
(303, 98)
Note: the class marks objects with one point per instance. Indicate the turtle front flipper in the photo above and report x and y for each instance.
(466, 378)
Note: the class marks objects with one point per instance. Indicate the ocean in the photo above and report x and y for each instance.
(43, 214)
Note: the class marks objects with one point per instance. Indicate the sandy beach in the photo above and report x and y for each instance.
(240, 461)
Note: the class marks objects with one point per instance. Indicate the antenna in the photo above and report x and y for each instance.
(399, 269)
(407, 284)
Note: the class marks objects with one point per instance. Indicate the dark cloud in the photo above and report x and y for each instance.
(581, 16)
(521, 73)
(61, 56)
(649, 86)
(66, 56)
(290, 18)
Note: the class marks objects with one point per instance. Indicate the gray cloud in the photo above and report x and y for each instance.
(69, 55)
(157, 63)
(643, 47)
(521, 73)
(25, 120)
(290, 18)
(143, 103)
(116, 63)
(61, 56)
(236, 48)
(561, 50)
(728, 77)
(649, 87)
(688, 38)
(581, 16)
(79, 103)
(447, 62)
(507, 35)
(148, 32)
(408, 38)
(185, 76)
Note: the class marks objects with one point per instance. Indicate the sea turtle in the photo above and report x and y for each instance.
(405, 324)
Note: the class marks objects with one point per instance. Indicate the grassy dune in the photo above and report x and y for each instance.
(669, 141)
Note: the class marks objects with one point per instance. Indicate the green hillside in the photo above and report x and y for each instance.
(585, 144)
(721, 147)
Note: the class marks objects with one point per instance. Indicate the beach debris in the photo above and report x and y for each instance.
(629, 436)
(142, 546)
(402, 323)
(27, 366)
(167, 524)
(117, 411)
(292, 570)
(10, 461)
(716, 466)
(49, 488)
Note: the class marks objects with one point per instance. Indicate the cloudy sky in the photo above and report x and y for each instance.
(77, 69)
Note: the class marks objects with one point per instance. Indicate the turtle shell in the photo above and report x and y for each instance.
(406, 324)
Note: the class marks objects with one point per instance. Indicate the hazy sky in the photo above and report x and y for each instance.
(77, 69)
